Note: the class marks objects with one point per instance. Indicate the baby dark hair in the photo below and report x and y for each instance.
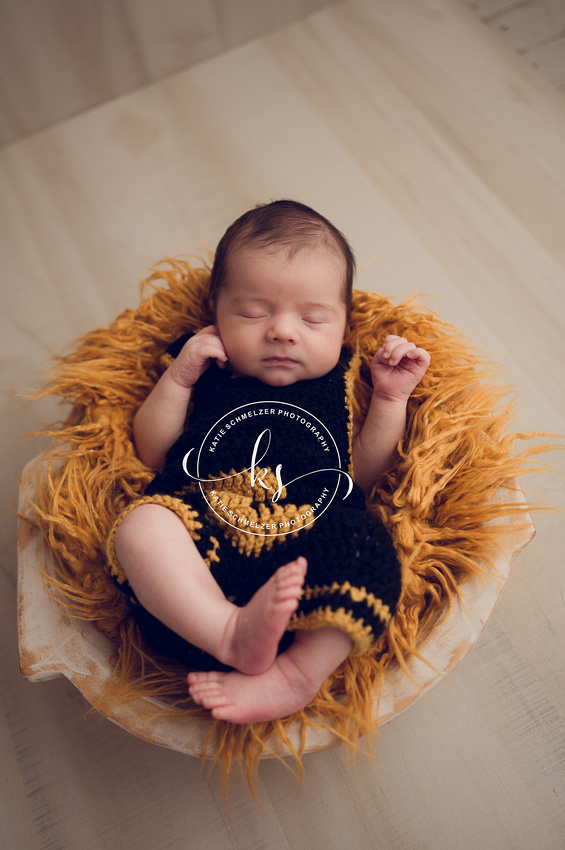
(287, 225)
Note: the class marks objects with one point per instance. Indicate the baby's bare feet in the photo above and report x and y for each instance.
(278, 692)
(252, 635)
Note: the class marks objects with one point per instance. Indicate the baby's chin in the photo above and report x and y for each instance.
(279, 376)
(281, 381)
(285, 378)
(276, 378)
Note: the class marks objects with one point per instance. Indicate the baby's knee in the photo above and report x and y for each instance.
(137, 526)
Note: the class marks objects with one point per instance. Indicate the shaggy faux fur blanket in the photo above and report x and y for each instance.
(436, 501)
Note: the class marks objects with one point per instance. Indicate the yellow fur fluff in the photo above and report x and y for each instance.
(435, 502)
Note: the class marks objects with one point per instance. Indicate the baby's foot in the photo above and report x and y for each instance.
(252, 634)
(278, 692)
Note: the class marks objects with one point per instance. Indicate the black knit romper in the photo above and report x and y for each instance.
(260, 476)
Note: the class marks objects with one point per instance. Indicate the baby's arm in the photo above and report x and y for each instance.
(161, 418)
(396, 369)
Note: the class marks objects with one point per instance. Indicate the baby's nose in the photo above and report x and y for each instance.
(282, 330)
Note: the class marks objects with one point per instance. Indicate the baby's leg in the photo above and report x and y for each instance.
(287, 686)
(172, 582)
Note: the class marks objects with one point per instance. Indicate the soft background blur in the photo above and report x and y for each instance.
(432, 132)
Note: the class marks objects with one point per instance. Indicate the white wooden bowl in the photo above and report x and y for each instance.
(52, 644)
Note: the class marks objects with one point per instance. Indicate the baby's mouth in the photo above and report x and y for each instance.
(280, 361)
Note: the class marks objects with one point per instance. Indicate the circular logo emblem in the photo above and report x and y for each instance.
(275, 434)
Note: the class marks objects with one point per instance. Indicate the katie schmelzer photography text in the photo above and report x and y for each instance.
(267, 450)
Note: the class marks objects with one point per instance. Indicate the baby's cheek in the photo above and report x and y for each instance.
(238, 354)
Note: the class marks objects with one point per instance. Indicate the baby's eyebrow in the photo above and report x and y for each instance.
(321, 306)
(236, 300)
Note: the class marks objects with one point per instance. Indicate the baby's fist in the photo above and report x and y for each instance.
(197, 354)
(397, 368)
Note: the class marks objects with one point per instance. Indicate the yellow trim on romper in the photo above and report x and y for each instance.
(237, 500)
(350, 377)
(213, 553)
(361, 635)
(357, 594)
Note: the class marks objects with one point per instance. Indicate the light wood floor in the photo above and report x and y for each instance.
(440, 151)
(56, 63)
(534, 28)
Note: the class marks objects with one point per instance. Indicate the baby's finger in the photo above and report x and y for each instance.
(394, 351)
(420, 356)
(214, 350)
(389, 344)
(211, 334)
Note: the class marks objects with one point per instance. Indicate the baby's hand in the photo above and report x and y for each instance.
(196, 355)
(397, 368)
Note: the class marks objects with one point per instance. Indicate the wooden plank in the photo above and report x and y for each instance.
(57, 59)
(487, 9)
(530, 25)
(550, 61)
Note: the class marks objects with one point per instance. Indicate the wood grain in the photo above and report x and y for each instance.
(438, 150)
(58, 58)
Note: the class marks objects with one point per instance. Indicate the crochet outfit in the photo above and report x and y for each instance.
(261, 476)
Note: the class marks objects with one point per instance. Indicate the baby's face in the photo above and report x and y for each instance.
(282, 320)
